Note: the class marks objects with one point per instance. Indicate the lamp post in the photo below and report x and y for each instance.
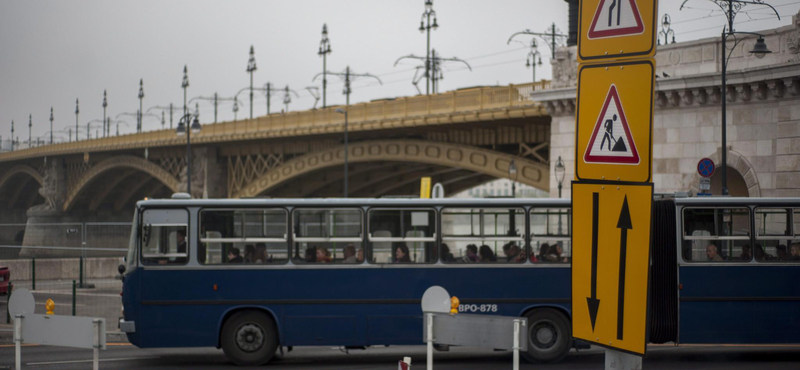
(76, 119)
(51, 125)
(184, 130)
(215, 99)
(666, 30)
(423, 27)
(554, 34)
(759, 50)
(141, 95)
(512, 175)
(235, 107)
(251, 67)
(560, 170)
(324, 50)
(106, 128)
(30, 130)
(343, 111)
(184, 85)
(162, 109)
(12, 135)
(530, 61)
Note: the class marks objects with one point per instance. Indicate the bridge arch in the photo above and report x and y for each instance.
(21, 194)
(440, 156)
(136, 164)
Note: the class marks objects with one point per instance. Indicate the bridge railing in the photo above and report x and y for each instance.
(311, 121)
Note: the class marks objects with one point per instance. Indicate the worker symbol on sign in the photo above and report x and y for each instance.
(608, 148)
(616, 18)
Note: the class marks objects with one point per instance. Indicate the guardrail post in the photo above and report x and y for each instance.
(33, 273)
(74, 291)
(8, 300)
(80, 271)
(516, 343)
(18, 341)
(429, 338)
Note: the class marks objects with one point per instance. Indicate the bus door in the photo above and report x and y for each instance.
(164, 250)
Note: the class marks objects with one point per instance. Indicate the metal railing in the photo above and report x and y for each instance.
(315, 120)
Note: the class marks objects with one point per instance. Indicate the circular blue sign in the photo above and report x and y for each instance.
(706, 167)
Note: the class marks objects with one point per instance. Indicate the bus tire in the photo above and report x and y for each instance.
(549, 336)
(249, 338)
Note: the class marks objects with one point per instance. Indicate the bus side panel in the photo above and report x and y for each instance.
(131, 303)
(355, 307)
(754, 304)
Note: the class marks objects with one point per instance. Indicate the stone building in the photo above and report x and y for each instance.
(763, 115)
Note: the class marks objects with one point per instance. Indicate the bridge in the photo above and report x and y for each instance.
(461, 139)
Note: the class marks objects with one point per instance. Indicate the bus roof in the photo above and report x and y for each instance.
(352, 202)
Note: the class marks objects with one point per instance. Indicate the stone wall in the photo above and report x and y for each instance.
(63, 268)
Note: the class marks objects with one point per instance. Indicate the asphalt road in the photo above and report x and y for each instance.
(124, 356)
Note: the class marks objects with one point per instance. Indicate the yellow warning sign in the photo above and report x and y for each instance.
(617, 29)
(610, 264)
(425, 188)
(615, 120)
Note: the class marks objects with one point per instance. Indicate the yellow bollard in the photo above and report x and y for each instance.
(50, 306)
(454, 305)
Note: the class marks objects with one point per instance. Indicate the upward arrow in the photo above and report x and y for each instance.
(593, 302)
(624, 224)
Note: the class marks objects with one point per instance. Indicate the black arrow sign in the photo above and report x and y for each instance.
(592, 301)
(624, 224)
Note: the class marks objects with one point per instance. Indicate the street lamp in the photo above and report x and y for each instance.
(342, 111)
(141, 95)
(666, 30)
(560, 170)
(512, 175)
(423, 27)
(51, 125)
(106, 128)
(759, 50)
(12, 135)
(235, 107)
(251, 67)
(30, 130)
(76, 119)
(184, 85)
(181, 130)
(530, 61)
(324, 50)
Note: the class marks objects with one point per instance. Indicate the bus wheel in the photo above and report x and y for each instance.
(549, 336)
(249, 338)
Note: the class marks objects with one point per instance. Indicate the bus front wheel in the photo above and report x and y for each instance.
(249, 338)
(549, 336)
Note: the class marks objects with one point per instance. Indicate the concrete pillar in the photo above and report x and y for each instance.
(209, 174)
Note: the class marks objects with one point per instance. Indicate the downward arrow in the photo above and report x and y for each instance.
(593, 302)
(624, 224)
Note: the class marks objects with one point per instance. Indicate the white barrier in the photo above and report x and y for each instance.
(53, 330)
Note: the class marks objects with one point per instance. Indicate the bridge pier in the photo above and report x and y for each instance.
(209, 174)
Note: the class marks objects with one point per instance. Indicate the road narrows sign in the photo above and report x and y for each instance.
(612, 149)
(611, 264)
(616, 30)
(616, 18)
(615, 118)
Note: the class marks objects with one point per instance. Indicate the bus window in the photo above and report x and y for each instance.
(164, 244)
(716, 235)
(243, 236)
(471, 235)
(402, 236)
(550, 238)
(775, 235)
(328, 236)
(163, 236)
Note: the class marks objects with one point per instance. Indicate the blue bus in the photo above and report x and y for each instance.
(255, 276)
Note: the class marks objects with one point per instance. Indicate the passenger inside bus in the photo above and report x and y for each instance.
(446, 255)
(249, 253)
(323, 256)
(472, 254)
(711, 252)
(360, 255)
(401, 254)
(234, 257)
(350, 254)
(747, 254)
(261, 254)
(781, 252)
(795, 251)
(311, 255)
(486, 254)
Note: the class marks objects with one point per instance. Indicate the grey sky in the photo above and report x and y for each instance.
(56, 51)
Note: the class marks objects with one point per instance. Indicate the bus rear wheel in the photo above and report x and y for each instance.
(249, 338)
(549, 336)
